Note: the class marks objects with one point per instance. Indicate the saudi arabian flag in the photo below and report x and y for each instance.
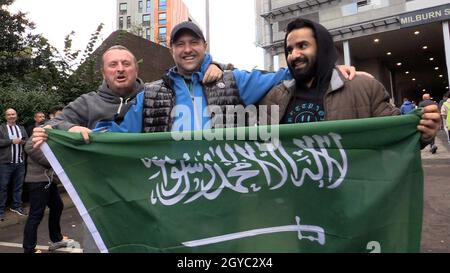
(339, 186)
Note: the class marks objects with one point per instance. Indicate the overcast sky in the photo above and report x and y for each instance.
(232, 25)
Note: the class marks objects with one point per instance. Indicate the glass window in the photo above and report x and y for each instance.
(162, 4)
(349, 9)
(140, 6)
(120, 22)
(162, 18)
(128, 21)
(148, 6)
(147, 33)
(162, 34)
(363, 3)
(122, 8)
(146, 20)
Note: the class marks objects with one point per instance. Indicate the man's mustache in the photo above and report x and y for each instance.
(299, 60)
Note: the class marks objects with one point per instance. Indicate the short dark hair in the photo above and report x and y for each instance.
(296, 24)
(56, 108)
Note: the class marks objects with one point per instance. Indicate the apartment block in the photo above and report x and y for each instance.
(151, 19)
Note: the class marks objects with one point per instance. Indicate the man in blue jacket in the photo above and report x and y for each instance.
(407, 106)
(179, 102)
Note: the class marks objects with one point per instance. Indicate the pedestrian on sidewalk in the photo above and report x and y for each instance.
(42, 184)
(445, 113)
(12, 162)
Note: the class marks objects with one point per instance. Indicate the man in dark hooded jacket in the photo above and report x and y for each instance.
(319, 92)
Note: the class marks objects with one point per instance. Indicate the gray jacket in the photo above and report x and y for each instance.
(38, 168)
(90, 108)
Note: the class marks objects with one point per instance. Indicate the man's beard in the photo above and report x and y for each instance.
(304, 76)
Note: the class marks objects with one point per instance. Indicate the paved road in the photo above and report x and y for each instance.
(436, 221)
(436, 227)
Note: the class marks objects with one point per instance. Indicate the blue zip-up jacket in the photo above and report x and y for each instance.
(252, 87)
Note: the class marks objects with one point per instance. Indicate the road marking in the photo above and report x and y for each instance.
(40, 247)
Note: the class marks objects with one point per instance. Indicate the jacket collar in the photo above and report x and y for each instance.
(337, 81)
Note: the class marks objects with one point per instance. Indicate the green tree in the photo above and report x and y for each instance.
(34, 76)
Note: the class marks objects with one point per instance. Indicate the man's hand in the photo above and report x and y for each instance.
(83, 131)
(347, 71)
(17, 141)
(39, 136)
(430, 122)
(212, 74)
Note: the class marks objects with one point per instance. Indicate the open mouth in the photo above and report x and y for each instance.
(300, 64)
(189, 58)
(121, 78)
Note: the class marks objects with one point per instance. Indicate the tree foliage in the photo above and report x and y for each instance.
(34, 75)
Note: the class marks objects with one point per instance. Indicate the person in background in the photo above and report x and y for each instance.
(407, 106)
(43, 191)
(445, 113)
(55, 111)
(39, 118)
(12, 162)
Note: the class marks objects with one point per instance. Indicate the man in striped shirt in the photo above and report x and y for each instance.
(12, 165)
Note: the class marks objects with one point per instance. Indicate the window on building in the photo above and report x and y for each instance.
(162, 5)
(148, 6)
(128, 21)
(363, 3)
(120, 22)
(162, 18)
(122, 8)
(140, 6)
(147, 34)
(162, 34)
(146, 20)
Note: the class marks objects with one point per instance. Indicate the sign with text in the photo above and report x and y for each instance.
(425, 16)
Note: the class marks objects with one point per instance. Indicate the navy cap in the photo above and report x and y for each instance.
(186, 26)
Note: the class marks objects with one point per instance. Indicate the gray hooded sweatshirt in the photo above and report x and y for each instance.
(90, 108)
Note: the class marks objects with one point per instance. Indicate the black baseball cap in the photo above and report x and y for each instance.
(187, 25)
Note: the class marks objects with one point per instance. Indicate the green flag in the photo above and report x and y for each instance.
(338, 186)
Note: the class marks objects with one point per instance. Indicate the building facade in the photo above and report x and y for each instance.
(151, 19)
(404, 43)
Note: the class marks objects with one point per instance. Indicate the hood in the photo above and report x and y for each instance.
(326, 52)
(110, 96)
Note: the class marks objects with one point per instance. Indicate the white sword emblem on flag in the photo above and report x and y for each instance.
(250, 233)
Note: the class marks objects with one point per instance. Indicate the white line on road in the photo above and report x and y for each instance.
(40, 247)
